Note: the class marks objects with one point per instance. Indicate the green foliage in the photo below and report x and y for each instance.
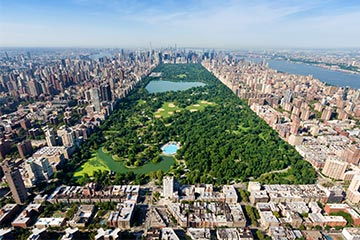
(71, 212)
(305, 214)
(347, 216)
(107, 206)
(225, 141)
(50, 209)
(318, 227)
(244, 195)
(252, 214)
(260, 235)
(21, 233)
(276, 214)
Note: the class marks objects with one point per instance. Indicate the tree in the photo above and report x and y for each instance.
(260, 235)
(225, 141)
(156, 159)
(276, 214)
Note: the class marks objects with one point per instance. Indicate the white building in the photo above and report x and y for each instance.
(38, 169)
(95, 99)
(351, 233)
(168, 186)
(67, 136)
(168, 234)
(50, 136)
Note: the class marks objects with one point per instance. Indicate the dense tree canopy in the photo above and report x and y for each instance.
(223, 142)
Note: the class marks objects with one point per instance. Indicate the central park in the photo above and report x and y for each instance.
(220, 139)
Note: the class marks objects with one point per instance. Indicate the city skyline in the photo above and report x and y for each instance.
(132, 24)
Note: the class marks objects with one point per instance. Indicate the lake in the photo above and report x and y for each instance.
(157, 86)
(104, 161)
(336, 78)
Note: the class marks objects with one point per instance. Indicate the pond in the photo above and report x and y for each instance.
(157, 86)
(104, 161)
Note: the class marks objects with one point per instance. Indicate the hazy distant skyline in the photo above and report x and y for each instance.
(187, 23)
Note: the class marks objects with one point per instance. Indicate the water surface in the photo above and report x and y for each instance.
(157, 86)
(336, 78)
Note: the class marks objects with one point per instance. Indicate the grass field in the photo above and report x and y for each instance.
(169, 108)
(94, 164)
(103, 161)
(166, 110)
(181, 76)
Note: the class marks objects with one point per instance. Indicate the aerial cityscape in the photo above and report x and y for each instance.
(179, 120)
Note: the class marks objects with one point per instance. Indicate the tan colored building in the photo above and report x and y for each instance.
(334, 168)
(353, 192)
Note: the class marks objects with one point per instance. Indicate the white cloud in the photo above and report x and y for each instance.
(207, 23)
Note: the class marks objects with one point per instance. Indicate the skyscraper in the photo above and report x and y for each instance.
(168, 186)
(106, 92)
(16, 184)
(95, 99)
(288, 96)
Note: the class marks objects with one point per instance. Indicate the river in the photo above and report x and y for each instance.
(336, 78)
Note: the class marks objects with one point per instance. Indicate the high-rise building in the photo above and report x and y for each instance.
(67, 136)
(106, 92)
(345, 93)
(34, 88)
(38, 169)
(295, 125)
(168, 186)
(25, 123)
(95, 99)
(334, 168)
(287, 96)
(5, 147)
(24, 148)
(88, 95)
(15, 181)
(326, 114)
(353, 192)
(50, 136)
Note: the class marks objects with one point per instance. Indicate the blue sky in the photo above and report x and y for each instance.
(187, 23)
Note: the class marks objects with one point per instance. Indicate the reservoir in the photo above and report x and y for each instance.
(157, 86)
(336, 78)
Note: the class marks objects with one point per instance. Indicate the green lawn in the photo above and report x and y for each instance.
(94, 164)
(181, 76)
(200, 106)
(169, 108)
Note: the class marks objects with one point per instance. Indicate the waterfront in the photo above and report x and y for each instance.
(104, 161)
(336, 78)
